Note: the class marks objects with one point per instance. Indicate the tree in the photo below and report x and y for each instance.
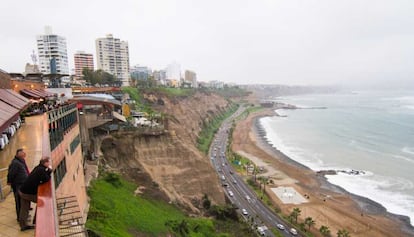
(180, 228)
(295, 214)
(309, 222)
(342, 233)
(206, 202)
(98, 77)
(325, 231)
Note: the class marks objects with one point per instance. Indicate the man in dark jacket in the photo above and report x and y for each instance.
(17, 174)
(28, 190)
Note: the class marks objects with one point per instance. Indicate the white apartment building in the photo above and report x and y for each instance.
(112, 56)
(51, 46)
(174, 71)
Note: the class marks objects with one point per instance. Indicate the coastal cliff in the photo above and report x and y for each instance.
(170, 162)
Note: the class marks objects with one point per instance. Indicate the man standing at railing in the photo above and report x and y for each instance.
(16, 176)
(28, 190)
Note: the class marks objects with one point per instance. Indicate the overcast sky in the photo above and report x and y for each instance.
(257, 41)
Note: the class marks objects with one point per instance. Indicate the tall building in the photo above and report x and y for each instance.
(82, 60)
(113, 57)
(174, 71)
(191, 77)
(160, 77)
(140, 72)
(53, 56)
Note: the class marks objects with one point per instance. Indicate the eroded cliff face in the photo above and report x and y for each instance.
(171, 160)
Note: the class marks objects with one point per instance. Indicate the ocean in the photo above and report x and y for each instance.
(368, 131)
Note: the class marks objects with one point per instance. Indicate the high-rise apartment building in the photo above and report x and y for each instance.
(53, 55)
(191, 77)
(82, 60)
(174, 71)
(112, 56)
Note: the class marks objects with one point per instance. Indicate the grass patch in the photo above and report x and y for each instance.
(249, 110)
(140, 104)
(116, 211)
(205, 137)
(133, 93)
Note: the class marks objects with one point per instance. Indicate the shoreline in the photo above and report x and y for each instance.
(368, 205)
(309, 181)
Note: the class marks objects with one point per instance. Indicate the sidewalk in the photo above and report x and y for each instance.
(27, 137)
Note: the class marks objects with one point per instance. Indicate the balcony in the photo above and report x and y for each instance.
(60, 205)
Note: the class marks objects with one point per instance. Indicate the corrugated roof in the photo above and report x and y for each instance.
(30, 94)
(8, 114)
(45, 93)
(37, 93)
(13, 99)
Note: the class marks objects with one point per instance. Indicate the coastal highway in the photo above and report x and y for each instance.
(237, 191)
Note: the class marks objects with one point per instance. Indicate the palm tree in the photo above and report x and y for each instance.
(325, 231)
(343, 233)
(309, 222)
(295, 214)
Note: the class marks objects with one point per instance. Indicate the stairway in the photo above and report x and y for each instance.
(70, 217)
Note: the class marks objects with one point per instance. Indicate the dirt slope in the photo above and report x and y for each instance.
(171, 161)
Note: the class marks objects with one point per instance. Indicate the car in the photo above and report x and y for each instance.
(247, 198)
(225, 184)
(293, 231)
(280, 226)
(244, 212)
(234, 181)
(231, 193)
(231, 171)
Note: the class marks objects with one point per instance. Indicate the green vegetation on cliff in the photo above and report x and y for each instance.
(116, 211)
(205, 137)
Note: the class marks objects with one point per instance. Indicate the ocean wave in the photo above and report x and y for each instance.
(380, 189)
(408, 150)
(404, 158)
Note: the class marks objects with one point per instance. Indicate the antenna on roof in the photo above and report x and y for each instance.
(34, 57)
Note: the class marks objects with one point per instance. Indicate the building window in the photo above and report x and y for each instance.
(60, 172)
(74, 144)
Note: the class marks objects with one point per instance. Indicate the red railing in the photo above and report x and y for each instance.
(46, 215)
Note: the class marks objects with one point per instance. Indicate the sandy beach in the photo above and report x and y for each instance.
(327, 204)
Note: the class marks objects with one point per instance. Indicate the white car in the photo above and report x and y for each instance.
(231, 193)
(280, 226)
(293, 231)
(244, 212)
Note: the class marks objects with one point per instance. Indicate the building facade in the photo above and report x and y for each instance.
(53, 56)
(174, 71)
(160, 77)
(140, 72)
(112, 56)
(82, 60)
(191, 78)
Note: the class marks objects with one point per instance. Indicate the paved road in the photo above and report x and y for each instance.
(237, 191)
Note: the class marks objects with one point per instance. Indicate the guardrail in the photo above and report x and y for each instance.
(56, 124)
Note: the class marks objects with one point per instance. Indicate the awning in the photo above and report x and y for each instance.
(8, 114)
(119, 116)
(45, 93)
(30, 94)
(13, 99)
